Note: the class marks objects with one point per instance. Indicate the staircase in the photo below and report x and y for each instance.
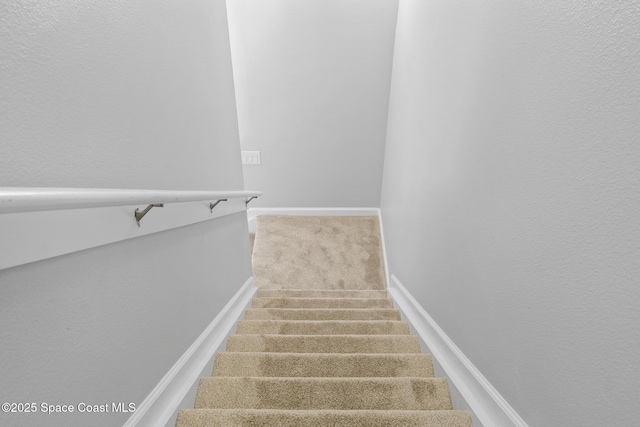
(322, 358)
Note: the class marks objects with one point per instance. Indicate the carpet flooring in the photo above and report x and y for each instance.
(315, 252)
(321, 345)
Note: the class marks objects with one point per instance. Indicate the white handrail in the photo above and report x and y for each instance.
(29, 199)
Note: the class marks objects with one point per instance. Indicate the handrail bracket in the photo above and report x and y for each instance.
(250, 199)
(140, 214)
(214, 204)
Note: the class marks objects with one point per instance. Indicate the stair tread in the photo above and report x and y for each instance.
(324, 343)
(323, 364)
(321, 418)
(288, 302)
(324, 393)
(321, 314)
(323, 327)
(310, 293)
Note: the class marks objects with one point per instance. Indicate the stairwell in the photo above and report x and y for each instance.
(323, 357)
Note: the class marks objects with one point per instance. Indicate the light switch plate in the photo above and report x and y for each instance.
(251, 158)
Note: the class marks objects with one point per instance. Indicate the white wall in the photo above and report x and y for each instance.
(120, 95)
(510, 195)
(312, 82)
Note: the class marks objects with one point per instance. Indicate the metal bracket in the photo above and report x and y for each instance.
(214, 204)
(140, 214)
(250, 199)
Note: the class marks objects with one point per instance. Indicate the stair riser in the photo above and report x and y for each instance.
(320, 314)
(321, 303)
(324, 344)
(321, 418)
(321, 365)
(302, 293)
(324, 393)
(300, 327)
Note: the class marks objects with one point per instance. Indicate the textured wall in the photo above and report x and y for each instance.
(510, 195)
(122, 95)
(312, 82)
(117, 94)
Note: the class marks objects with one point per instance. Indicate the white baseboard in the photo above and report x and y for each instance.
(365, 211)
(252, 213)
(165, 398)
(384, 250)
(484, 400)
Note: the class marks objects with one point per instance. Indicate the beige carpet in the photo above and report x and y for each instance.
(322, 344)
(315, 252)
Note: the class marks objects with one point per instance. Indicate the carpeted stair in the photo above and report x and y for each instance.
(333, 351)
(322, 358)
